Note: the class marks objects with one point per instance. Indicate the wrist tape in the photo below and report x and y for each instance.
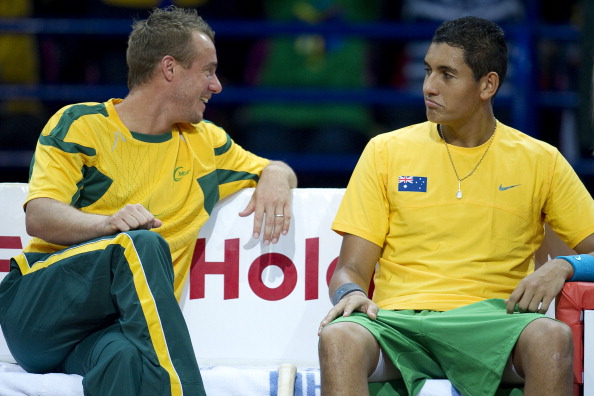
(583, 267)
(345, 289)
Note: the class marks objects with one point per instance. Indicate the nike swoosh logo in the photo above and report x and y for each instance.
(501, 188)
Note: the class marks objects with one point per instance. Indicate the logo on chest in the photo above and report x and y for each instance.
(503, 188)
(412, 183)
(179, 173)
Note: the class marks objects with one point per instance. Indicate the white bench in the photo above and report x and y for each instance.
(263, 304)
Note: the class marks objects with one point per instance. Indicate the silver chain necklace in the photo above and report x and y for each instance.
(459, 192)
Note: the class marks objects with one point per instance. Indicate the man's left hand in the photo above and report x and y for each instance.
(271, 202)
(536, 291)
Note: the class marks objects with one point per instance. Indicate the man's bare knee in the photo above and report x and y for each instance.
(348, 345)
(544, 342)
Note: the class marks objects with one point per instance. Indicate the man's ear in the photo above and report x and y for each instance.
(489, 85)
(167, 67)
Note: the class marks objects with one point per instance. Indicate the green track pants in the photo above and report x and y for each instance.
(106, 310)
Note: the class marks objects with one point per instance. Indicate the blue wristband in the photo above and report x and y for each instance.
(583, 267)
(345, 289)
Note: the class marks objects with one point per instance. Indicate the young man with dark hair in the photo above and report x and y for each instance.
(446, 216)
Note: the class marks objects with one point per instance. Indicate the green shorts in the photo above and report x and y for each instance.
(470, 345)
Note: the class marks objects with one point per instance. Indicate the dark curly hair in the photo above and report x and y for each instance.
(482, 42)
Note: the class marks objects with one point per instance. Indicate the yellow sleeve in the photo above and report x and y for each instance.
(60, 159)
(569, 208)
(364, 210)
(237, 168)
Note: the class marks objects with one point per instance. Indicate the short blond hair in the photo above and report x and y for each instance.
(167, 31)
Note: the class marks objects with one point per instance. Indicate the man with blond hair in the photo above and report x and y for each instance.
(117, 195)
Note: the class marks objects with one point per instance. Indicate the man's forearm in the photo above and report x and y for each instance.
(59, 223)
(356, 263)
(344, 276)
(284, 169)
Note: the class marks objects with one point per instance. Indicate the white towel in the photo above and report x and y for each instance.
(218, 381)
(14, 381)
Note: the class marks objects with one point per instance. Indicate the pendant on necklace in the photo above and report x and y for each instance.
(459, 192)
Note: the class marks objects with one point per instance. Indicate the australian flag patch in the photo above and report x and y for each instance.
(412, 183)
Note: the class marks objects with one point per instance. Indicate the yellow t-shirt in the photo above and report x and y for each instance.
(87, 158)
(440, 252)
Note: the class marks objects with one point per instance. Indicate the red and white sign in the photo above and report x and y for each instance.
(245, 303)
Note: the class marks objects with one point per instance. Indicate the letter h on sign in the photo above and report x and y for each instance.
(229, 268)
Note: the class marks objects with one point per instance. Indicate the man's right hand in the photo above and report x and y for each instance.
(59, 223)
(131, 217)
(353, 302)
